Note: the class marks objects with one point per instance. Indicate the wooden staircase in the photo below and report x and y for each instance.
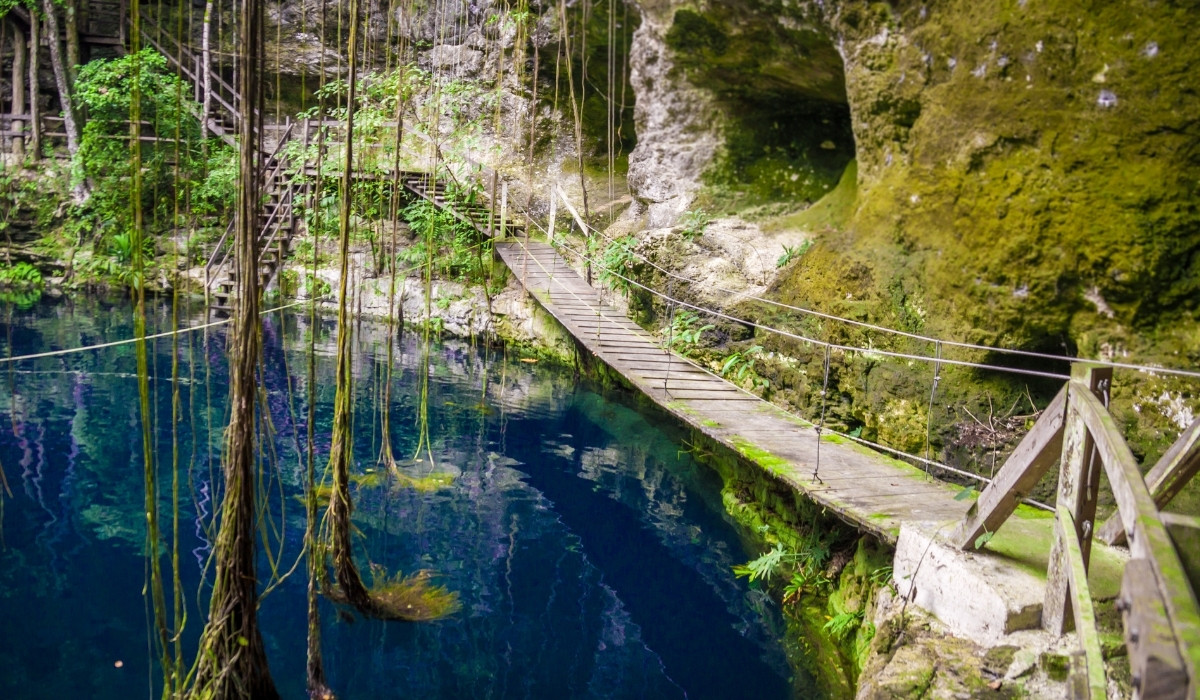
(277, 221)
(478, 215)
(225, 117)
(276, 228)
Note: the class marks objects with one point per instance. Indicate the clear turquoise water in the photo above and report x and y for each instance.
(591, 554)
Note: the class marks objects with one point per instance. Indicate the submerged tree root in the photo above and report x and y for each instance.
(411, 598)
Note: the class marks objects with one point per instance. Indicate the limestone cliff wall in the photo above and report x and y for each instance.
(1027, 169)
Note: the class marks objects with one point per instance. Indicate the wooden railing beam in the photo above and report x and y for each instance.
(1148, 537)
(1155, 664)
(1024, 468)
(1093, 684)
(1078, 489)
(1178, 465)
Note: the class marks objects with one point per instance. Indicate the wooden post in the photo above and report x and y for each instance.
(1078, 486)
(1157, 667)
(35, 126)
(503, 210)
(553, 215)
(492, 206)
(19, 100)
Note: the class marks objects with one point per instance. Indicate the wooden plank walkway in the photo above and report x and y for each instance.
(868, 490)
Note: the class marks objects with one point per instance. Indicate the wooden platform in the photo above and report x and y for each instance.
(870, 491)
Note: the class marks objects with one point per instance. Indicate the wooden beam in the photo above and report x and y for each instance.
(1081, 604)
(1169, 475)
(583, 228)
(1024, 468)
(1154, 660)
(1148, 537)
(1078, 489)
(1185, 533)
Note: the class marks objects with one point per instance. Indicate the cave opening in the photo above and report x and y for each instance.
(781, 89)
(601, 34)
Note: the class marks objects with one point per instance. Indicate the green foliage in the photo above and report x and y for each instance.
(791, 252)
(617, 264)
(460, 250)
(740, 366)
(121, 247)
(842, 625)
(804, 568)
(104, 91)
(216, 191)
(22, 275)
(684, 330)
(694, 223)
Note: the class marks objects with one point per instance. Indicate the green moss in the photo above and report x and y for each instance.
(691, 32)
(761, 457)
(1056, 666)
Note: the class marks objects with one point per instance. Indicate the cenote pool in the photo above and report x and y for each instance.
(591, 555)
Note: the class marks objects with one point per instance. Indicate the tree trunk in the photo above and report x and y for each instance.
(35, 117)
(60, 78)
(233, 661)
(71, 12)
(79, 192)
(19, 105)
(206, 67)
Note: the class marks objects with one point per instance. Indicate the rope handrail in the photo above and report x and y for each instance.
(858, 439)
(805, 339)
(1194, 374)
(127, 341)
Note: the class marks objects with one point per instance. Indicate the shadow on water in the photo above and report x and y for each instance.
(591, 557)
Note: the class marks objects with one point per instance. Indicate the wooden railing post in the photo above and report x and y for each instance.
(1078, 486)
(492, 206)
(553, 215)
(503, 210)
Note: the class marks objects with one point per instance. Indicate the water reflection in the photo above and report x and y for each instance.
(592, 557)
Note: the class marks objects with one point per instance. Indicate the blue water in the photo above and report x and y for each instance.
(590, 553)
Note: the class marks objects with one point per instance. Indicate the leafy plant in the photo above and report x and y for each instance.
(617, 264)
(104, 91)
(694, 223)
(121, 247)
(21, 275)
(804, 568)
(684, 331)
(791, 252)
(842, 625)
(740, 366)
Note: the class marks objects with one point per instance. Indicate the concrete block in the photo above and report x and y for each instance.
(978, 595)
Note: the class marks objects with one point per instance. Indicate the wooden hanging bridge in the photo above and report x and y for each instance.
(877, 494)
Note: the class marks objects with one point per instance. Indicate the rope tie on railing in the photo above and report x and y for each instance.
(937, 377)
(821, 422)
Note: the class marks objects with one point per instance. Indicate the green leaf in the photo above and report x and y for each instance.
(964, 494)
(242, 641)
(983, 539)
